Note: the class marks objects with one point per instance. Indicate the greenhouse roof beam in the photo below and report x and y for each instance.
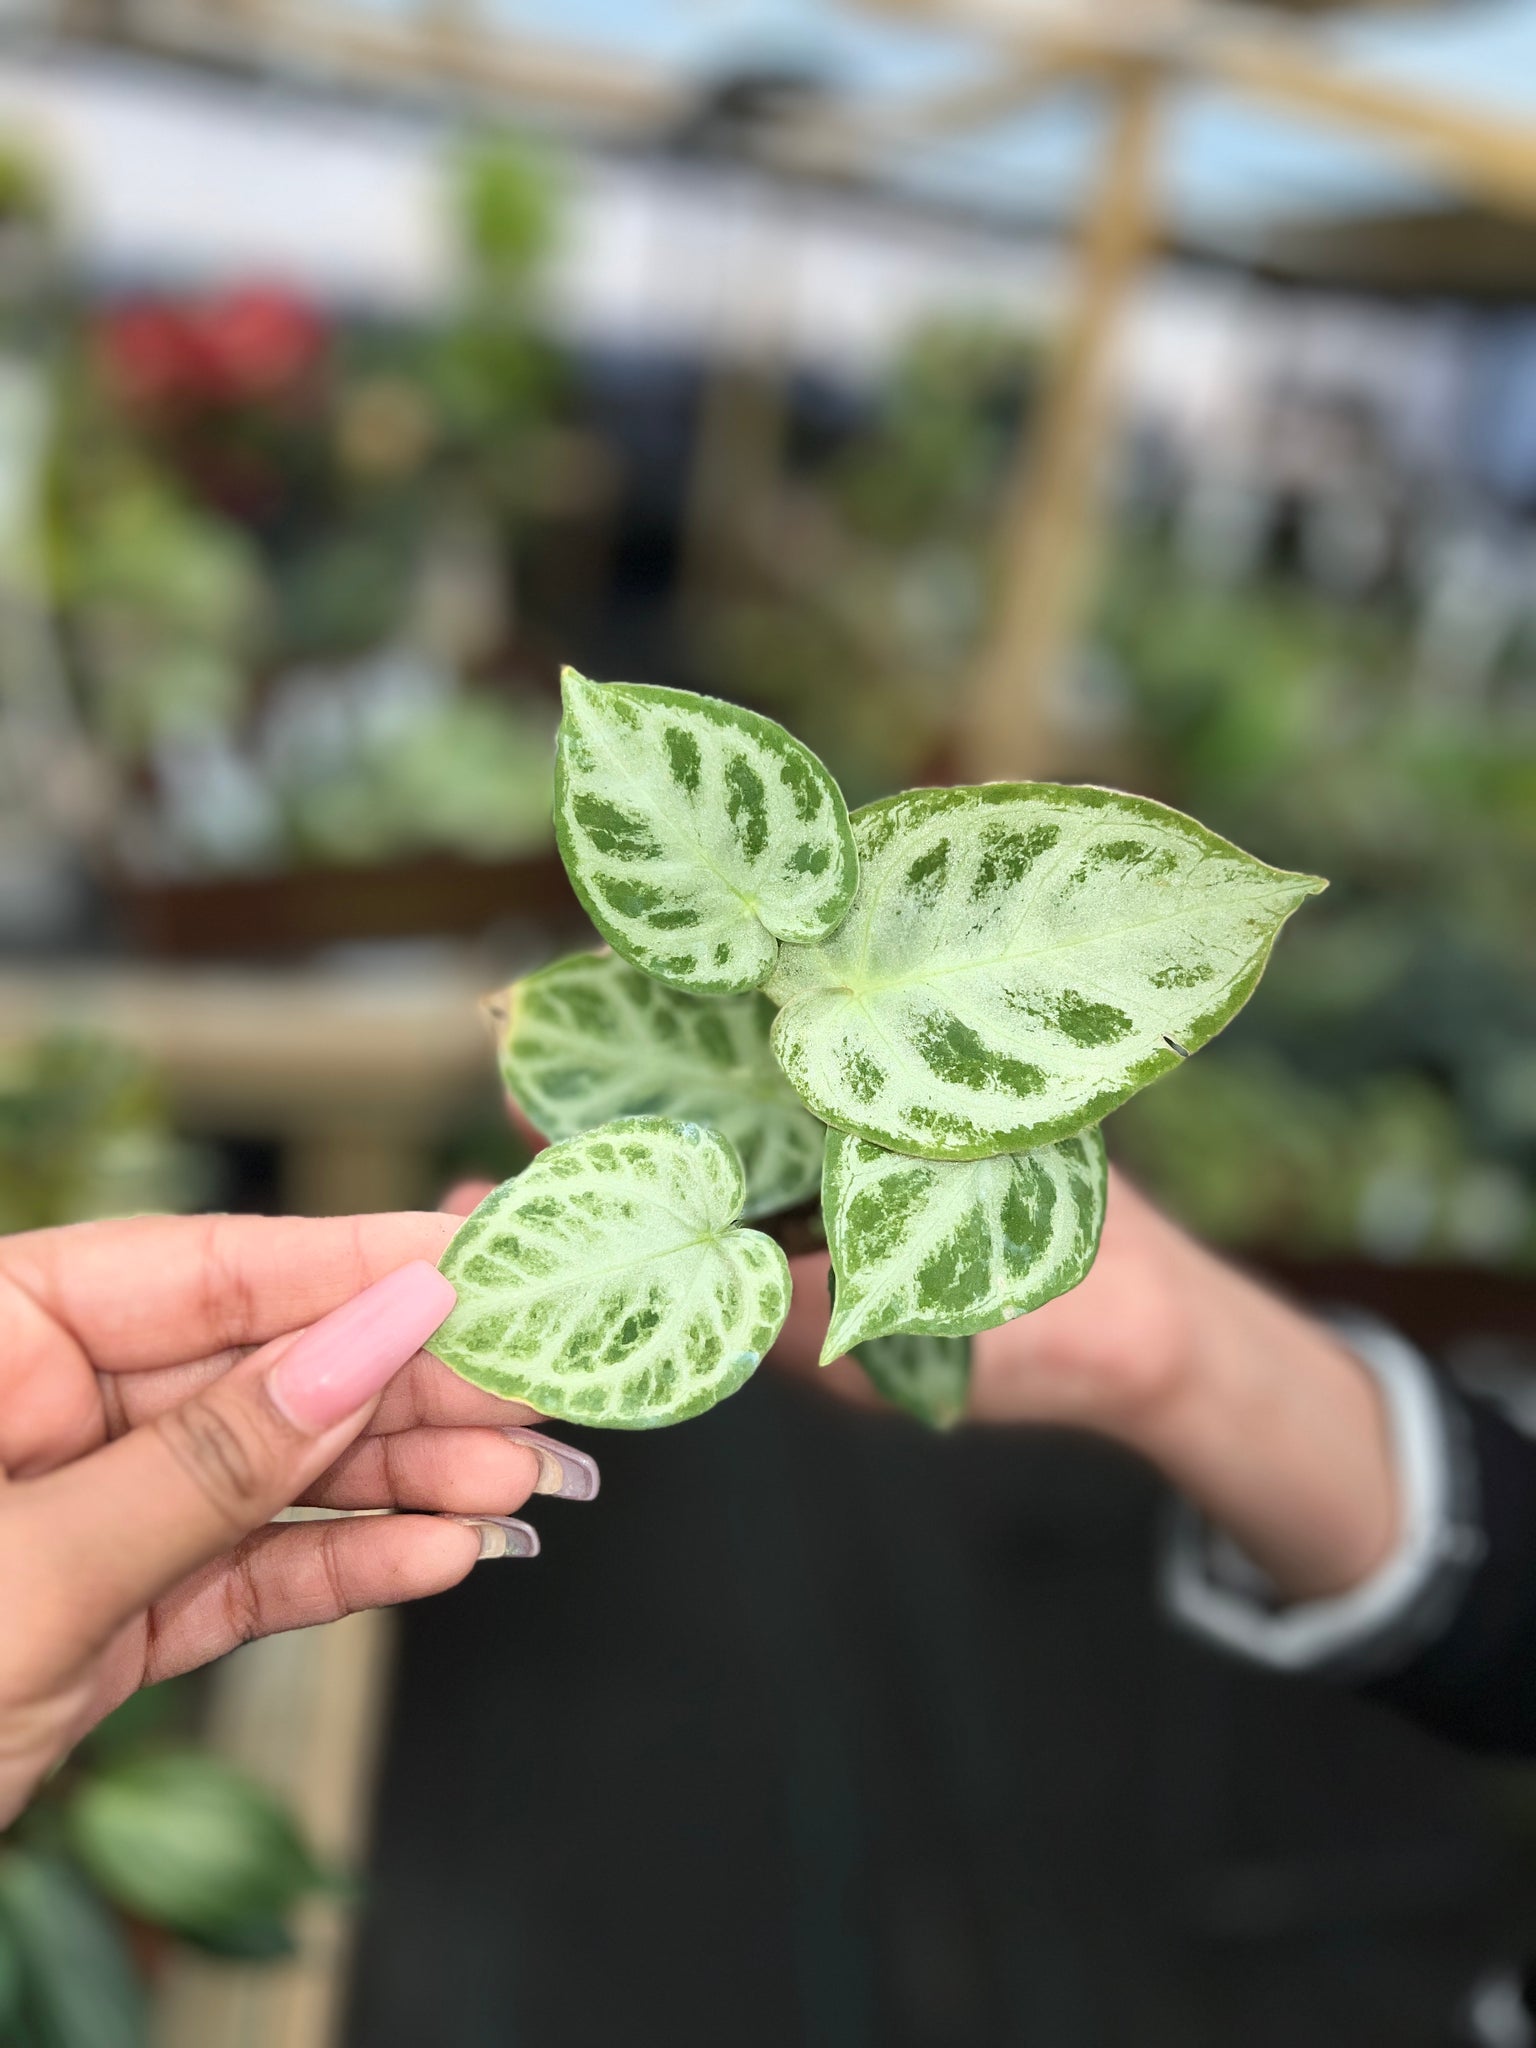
(1478, 149)
(441, 50)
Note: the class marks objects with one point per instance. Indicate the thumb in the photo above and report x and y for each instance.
(115, 1531)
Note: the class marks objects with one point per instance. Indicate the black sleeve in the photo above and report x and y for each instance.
(1475, 1682)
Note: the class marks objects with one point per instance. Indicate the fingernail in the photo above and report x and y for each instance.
(344, 1359)
(569, 1473)
(500, 1535)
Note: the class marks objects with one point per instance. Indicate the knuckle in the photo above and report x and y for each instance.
(212, 1450)
(242, 1602)
(227, 1303)
(339, 1599)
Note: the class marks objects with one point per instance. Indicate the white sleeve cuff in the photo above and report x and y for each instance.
(1212, 1589)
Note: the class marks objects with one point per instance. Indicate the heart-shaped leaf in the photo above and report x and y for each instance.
(697, 835)
(592, 1038)
(1020, 958)
(927, 1377)
(946, 1247)
(608, 1283)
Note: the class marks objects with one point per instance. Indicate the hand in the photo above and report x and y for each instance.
(167, 1385)
(1257, 1412)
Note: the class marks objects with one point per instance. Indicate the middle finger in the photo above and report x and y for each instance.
(453, 1471)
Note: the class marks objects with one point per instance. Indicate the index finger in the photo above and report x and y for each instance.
(160, 1290)
(425, 1395)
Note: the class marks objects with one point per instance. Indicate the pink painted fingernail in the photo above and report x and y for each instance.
(344, 1359)
(569, 1473)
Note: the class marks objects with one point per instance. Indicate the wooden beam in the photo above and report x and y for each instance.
(1484, 153)
(840, 140)
(440, 48)
(1480, 150)
(1047, 532)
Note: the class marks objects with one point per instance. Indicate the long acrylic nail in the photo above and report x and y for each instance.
(562, 1470)
(344, 1359)
(500, 1535)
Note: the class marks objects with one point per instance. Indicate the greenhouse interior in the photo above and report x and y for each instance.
(1017, 392)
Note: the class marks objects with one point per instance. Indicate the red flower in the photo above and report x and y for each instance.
(253, 343)
(151, 355)
(262, 340)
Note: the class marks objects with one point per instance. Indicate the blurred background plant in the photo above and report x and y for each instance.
(140, 1840)
(285, 557)
(860, 587)
(85, 1132)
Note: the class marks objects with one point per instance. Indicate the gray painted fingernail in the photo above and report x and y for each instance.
(562, 1470)
(501, 1535)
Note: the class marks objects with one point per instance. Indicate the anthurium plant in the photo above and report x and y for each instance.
(919, 1014)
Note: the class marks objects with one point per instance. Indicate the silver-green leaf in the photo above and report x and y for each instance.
(947, 1247)
(696, 834)
(1019, 959)
(929, 1378)
(608, 1283)
(592, 1038)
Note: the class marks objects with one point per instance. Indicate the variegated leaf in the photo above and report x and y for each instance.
(592, 1038)
(1020, 958)
(946, 1247)
(609, 1283)
(928, 1377)
(697, 835)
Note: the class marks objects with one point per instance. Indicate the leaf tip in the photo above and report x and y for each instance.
(840, 1341)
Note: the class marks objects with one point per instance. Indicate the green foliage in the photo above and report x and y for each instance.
(168, 597)
(470, 775)
(859, 616)
(1382, 1168)
(609, 1283)
(697, 835)
(1388, 1075)
(12, 1982)
(23, 187)
(507, 212)
(945, 437)
(1020, 959)
(183, 1841)
(242, 501)
(72, 1981)
(82, 1134)
(966, 982)
(489, 371)
(944, 1248)
(592, 1038)
(928, 1378)
(136, 1823)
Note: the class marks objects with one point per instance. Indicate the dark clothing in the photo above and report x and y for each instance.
(1475, 1682)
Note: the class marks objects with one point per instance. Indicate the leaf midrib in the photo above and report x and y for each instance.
(1001, 960)
(596, 1273)
(648, 788)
